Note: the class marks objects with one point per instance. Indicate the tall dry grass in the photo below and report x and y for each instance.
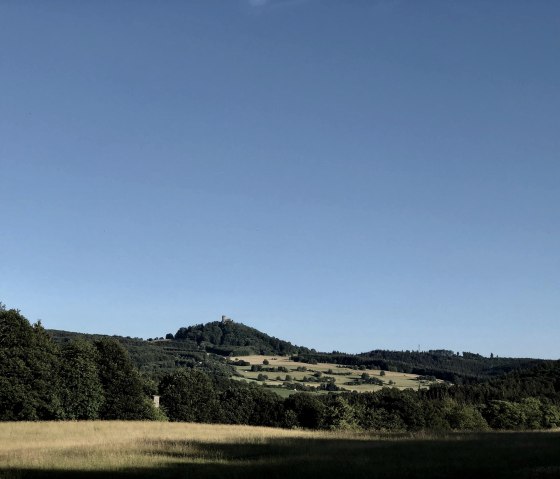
(113, 445)
(125, 450)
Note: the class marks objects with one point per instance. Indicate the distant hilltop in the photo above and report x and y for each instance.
(229, 338)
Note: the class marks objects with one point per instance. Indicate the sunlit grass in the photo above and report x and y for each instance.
(106, 445)
(176, 450)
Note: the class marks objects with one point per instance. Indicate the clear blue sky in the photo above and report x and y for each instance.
(344, 174)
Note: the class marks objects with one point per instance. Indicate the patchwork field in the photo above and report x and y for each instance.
(177, 450)
(306, 374)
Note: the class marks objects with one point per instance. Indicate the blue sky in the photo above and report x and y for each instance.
(343, 174)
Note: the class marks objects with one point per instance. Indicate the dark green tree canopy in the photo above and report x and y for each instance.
(122, 385)
(29, 370)
(81, 391)
(235, 338)
(189, 395)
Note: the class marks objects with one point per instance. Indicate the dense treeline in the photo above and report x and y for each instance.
(190, 395)
(40, 380)
(542, 381)
(525, 400)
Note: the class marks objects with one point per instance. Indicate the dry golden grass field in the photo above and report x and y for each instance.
(341, 375)
(174, 450)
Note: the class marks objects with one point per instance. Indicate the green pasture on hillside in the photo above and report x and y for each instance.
(341, 375)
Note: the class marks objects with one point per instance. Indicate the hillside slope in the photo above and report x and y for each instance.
(207, 345)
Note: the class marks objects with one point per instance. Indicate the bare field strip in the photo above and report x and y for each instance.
(176, 450)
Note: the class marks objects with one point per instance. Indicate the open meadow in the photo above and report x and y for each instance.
(346, 378)
(172, 450)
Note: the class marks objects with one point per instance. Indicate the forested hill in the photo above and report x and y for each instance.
(203, 345)
(541, 381)
(443, 364)
(236, 339)
(191, 345)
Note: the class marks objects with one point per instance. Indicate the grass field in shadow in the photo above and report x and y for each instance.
(233, 452)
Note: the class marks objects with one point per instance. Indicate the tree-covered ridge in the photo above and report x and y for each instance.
(236, 339)
(205, 345)
(541, 381)
(156, 357)
(442, 364)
